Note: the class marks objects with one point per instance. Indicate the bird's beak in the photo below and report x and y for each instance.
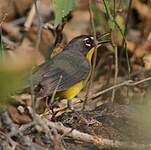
(103, 38)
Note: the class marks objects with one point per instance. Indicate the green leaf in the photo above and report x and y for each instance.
(61, 9)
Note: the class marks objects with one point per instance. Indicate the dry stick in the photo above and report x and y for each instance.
(33, 98)
(39, 25)
(110, 16)
(55, 90)
(93, 139)
(30, 18)
(27, 26)
(1, 42)
(11, 142)
(14, 130)
(29, 21)
(94, 58)
(116, 59)
(125, 83)
(52, 97)
(124, 44)
(126, 22)
(9, 44)
(116, 73)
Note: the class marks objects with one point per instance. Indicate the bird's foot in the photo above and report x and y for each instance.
(69, 105)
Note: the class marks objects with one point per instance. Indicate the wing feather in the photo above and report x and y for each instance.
(72, 68)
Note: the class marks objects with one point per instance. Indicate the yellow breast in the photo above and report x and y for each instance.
(71, 92)
(74, 90)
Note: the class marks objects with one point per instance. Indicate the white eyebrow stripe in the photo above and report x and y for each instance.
(86, 39)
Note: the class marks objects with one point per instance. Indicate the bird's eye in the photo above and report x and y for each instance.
(88, 42)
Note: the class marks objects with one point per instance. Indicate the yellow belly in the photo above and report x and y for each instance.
(74, 90)
(71, 92)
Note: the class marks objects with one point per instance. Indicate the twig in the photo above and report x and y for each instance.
(9, 44)
(25, 141)
(13, 143)
(110, 16)
(39, 25)
(55, 91)
(114, 8)
(58, 31)
(52, 133)
(116, 58)
(124, 44)
(127, 20)
(94, 58)
(49, 103)
(34, 11)
(100, 142)
(1, 43)
(30, 18)
(125, 83)
(93, 139)
(33, 98)
(116, 72)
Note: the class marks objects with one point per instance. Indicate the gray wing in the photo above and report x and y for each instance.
(62, 71)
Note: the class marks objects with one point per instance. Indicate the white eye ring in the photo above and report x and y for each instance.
(87, 42)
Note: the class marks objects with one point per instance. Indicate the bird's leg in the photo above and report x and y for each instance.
(69, 105)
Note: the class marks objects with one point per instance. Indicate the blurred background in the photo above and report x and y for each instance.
(32, 31)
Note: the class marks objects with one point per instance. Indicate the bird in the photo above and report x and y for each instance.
(68, 72)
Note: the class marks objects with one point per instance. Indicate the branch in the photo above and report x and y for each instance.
(125, 83)
(89, 84)
(93, 139)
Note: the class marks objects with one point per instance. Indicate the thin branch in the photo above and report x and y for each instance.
(116, 58)
(114, 8)
(56, 88)
(9, 44)
(124, 44)
(127, 20)
(30, 18)
(125, 83)
(6, 120)
(33, 98)
(116, 72)
(12, 142)
(94, 58)
(1, 33)
(110, 16)
(93, 139)
(34, 11)
(39, 25)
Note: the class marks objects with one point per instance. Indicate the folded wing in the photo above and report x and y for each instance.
(64, 70)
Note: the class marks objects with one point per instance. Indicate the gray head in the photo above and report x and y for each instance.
(81, 43)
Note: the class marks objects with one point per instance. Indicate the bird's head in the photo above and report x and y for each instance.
(85, 44)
